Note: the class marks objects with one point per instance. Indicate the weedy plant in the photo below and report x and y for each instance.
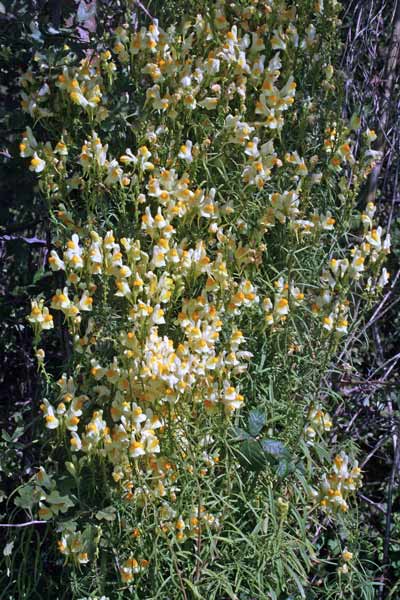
(209, 261)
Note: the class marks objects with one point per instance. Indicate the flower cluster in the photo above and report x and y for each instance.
(42, 492)
(366, 257)
(346, 558)
(285, 298)
(77, 545)
(318, 422)
(186, 231)
(181, 529)
(131, 567)
(143, 388)
(337, 486)
(40, 317)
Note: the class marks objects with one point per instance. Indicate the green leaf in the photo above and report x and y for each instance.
(193, 589)
(108, 514)
(276, 452)
(17, 433)
(41, 274)
(28, 496)
(240, 434)
(284, 468)
(251, 455)
(275, 449)
(59, 503)
(256, 421)
(6, 437)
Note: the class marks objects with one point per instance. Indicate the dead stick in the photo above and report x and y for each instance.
(389, 77)
(23, 524)
(388, 526)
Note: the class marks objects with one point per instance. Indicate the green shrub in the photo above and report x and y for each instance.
(209, 262)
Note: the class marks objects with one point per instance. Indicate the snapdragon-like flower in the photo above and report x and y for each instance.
(219, 239)
(39, 317)
(338, 485)
(37, 164)
(185, 151)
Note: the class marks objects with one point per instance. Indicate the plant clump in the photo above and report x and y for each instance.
(209, 261)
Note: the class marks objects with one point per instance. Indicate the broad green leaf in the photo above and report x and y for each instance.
(240, 434)
(284, 468)
(108, 514)
(275, 449)
(256, 421)
(251, 455)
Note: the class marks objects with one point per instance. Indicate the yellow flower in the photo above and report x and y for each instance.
(346, 555)
(37, 164)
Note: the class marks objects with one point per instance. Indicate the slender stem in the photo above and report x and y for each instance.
(23, 524)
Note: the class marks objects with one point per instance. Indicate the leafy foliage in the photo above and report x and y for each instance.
(169, 467)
